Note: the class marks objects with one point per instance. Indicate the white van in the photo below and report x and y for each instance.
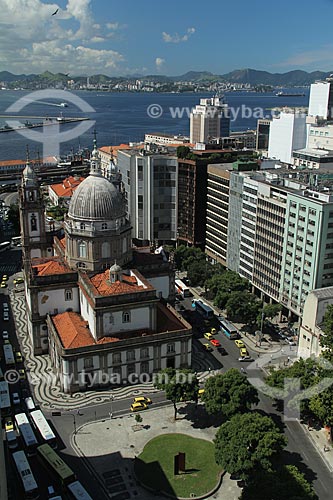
(29, 403)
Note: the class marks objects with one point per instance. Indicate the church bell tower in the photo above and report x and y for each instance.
(32, 216)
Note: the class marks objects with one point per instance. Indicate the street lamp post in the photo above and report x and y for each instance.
(111, 401)
(74, 422)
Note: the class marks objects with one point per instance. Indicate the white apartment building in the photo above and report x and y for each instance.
(321, 99)
(165, 139)
(150, 184)
(209, 120)
(312, 322)
(287, 133)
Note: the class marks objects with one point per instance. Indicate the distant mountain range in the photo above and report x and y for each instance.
(251, 76)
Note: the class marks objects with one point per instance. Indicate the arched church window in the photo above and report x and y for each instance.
(82, 249)
(105, 249)
(126, 317)
(33, 222)
(68, 294)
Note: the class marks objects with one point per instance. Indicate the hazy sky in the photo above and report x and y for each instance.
(152, 36)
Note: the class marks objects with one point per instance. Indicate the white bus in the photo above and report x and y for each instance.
(78, 492)
(43, 428)
(4, 398)
(182, 289)
(16, 240)
(28, 481)
(9, 355)
(25, 430)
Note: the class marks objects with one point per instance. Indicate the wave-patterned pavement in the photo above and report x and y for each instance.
(40, 372)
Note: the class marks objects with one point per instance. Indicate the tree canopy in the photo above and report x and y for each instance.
(179, 385)
(286, 483)
(243, 307)
(14, 217)
(248, 443)
(229, 393)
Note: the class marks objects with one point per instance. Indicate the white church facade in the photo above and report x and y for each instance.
(95, 304)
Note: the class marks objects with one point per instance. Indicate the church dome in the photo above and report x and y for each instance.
(97, 199)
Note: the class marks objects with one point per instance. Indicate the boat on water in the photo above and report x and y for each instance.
(287, 94)
(63, 105)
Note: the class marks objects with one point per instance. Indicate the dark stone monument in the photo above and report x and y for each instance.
(179, 463)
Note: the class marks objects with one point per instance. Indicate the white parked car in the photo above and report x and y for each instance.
(5, 335)
(5, 316)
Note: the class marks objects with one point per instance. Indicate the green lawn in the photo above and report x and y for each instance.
(155, 466)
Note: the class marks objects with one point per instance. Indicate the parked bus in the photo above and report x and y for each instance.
(25, 430)
(205, 311)
(228, 329)
(56, 464)
(182, 289)
(43, 428)
(4, 246)
(28, 481)
(4, 398)
(9, 355)
(78, 492)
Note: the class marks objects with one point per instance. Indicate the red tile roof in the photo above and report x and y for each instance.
(104, 287)
(49, 266)
(73, 330)
(115, 149)
(67, 187)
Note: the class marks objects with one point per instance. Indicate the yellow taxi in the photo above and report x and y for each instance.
(239, 343)
(3, 284)
(138, 406)
(208, 335)
(9, 426)
(213, 331)
(143, 399)
(243, 352)
(201, 392)
(5, 277)
(207, 346)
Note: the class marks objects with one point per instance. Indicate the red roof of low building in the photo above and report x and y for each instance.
(73, 330)
(103, 286)
(49, 266)
(67, 187)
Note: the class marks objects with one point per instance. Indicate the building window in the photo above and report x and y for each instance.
(144, 353)
(88, 363)
(130, 356)
(82, 249)
(130, 369)
(82, 226)
(105, 249)
(111, 319)
(126, 317)
(170, 348)
(33, 222)
(116, 357)
(144, 367)
(68, 294)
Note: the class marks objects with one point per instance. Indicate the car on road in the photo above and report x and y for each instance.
(5, 316)
(5, 306)
(18, 357)
(16, 398)
(138, 406)
(3, 284)
(291, 341)
(207, 346)
(245, 358)
(5, 277)
(239, 343)
(215, 343)
(5, 335)
(143, 399)
(208, 335)
(21, 373)
(213, 331)
(17, 281)
(221, 350)
(9, 426)
(243, 352)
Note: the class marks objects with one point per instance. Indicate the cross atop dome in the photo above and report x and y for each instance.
(29, 176)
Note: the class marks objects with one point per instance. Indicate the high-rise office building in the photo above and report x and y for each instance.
(321, 99)
(209, 120)
(150, 185)
(287, 133)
